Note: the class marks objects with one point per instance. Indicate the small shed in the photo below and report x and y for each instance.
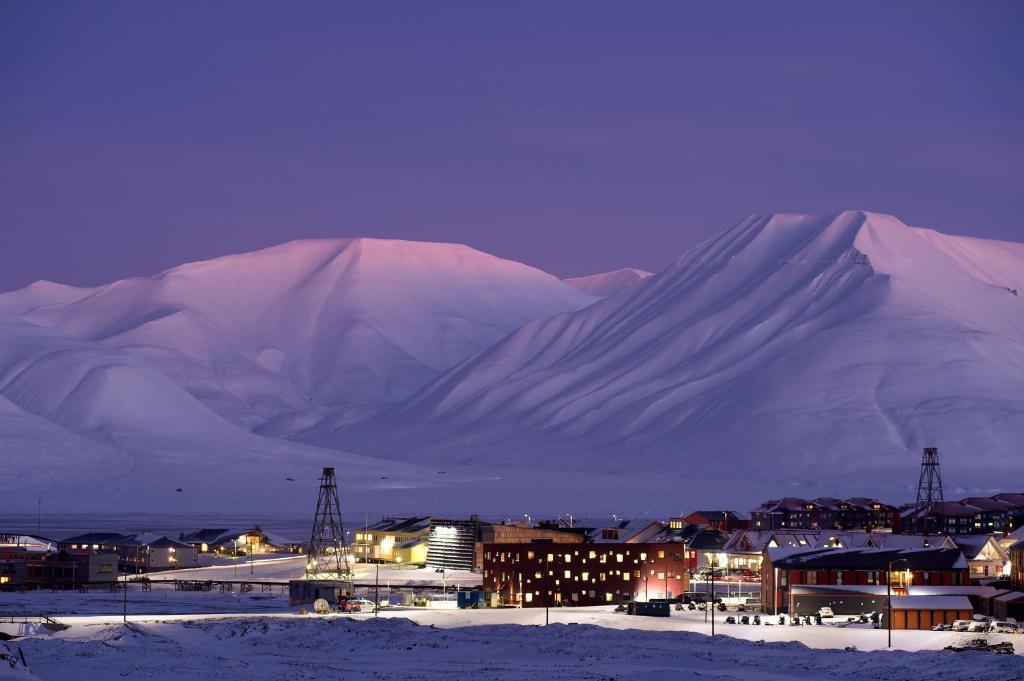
(1008, 604)
(924, 612)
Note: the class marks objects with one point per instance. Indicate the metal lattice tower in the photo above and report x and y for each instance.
(328, 553)
(929, 485)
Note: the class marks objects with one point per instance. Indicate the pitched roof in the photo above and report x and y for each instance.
(164, 542)
(101, 538)
(709, 540)
(717, 516)
(931, 603)
(205, 536)
(404, 525)
(866, 559)
(972, 544)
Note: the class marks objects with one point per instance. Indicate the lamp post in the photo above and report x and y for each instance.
(888, 596)
(235, 558)
(712, 602)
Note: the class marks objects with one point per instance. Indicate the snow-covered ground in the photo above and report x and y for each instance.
(580, 643)
(292, 567)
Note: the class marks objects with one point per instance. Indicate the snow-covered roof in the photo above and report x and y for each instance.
(872, 589)
(1010, 597)
(931, 603)
(929, 590)
(867, 559)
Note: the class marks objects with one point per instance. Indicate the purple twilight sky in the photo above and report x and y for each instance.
(575, 136)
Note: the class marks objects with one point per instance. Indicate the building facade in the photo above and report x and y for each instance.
(782, 569)
(1017, 566)
(540, 574)
(393, 540)
(824, 513)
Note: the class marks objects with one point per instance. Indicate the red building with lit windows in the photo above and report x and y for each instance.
(785, 568)
(542, 574)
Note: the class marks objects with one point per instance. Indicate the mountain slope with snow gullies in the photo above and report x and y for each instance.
(802, 351)
(282, 338)
(608, 283)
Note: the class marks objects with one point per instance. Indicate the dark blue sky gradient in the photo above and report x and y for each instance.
(577, 137)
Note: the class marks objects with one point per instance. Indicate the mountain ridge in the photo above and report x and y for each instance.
(817, 315)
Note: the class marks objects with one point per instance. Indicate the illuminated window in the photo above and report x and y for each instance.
(537, 575)
(551, 558)
(643, 556)
(585, 576)
(593, 554)
(661, 575)
(625, 576)
(618, 557)
(608, 597)
(661, 554)
(568, 558)
(529, 598)
(568, 574)
(529, 555)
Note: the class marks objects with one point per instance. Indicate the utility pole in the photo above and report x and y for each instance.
(125, 613)
(376, 591)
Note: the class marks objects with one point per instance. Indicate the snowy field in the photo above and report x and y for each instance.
(584, 643)
(292, 567)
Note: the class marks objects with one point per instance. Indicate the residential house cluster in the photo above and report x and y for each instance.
(972, 515)
(856, 513)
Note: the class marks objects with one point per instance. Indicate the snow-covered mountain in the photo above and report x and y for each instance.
(279, 339)
(790, 351)
(608, 283)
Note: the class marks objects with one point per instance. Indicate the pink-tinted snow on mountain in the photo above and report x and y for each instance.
(608, 283)
(281, 338)
(795, 350)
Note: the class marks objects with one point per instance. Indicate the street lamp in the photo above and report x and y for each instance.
(888, 596)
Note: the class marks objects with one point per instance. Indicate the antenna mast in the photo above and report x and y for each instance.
(929, 486)
(328, 553)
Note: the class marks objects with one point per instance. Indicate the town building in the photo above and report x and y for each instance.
(745, 549)
(999, 513)
(1017, 566)
(857, 513)
(783, 569)
(458, 544)
(986, 558)
(164, 553)
(393, 540)
(452, 543)
(725, 521)
(65, 569)
(543, 573)
(925, 612)
(238, 542)
(131, 554)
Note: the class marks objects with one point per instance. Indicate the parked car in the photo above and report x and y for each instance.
(978, 627)
(825, 616)
(1003, 628)
(361, 605)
